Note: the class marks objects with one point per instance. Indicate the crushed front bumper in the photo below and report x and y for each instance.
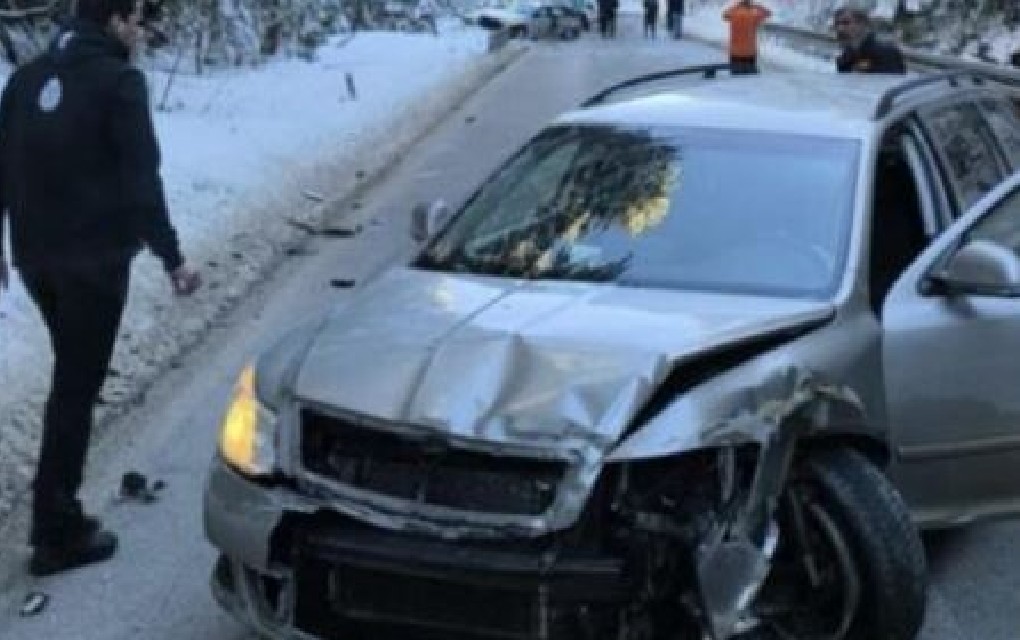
(291, 571)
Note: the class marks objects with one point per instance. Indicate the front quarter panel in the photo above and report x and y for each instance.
(834, 374)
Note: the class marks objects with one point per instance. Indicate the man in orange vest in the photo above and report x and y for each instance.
(745, 18)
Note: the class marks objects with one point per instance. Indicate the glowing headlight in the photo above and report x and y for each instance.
(246, 437)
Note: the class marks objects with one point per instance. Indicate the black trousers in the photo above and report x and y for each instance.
(743, 65)
(651, 21)
(82, 308)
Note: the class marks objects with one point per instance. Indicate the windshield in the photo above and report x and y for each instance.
(727, 211)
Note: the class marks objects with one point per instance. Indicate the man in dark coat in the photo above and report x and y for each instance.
(80, 181)
(651, 17)
(862, 51)
(675, 17)
(605, 17)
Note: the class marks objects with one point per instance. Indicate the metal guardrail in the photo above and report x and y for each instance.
(498, 39)
(916, 59)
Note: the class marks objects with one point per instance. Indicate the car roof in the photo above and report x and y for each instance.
(808, 102)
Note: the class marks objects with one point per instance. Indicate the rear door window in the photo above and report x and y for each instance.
(1003, 120)
(966, 151)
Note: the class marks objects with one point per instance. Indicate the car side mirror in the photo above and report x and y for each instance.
(427, 219)
(980, 267)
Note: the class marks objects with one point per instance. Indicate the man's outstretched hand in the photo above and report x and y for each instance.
(185, 280)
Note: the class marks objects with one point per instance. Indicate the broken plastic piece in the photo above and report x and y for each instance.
(34, 603)
(135, 486)
(339, 232)
(352, 92)
(301, 224)
(341, 283)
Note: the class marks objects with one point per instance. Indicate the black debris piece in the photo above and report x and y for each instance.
(34, 603)
(135, 486)
(352, 92)
(341, 283)
(304, 226)
(469, 119)
(339, 232)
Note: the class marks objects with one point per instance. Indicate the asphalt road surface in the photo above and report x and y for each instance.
(156, 588)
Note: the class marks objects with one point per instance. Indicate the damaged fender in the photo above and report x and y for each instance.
(732, 560)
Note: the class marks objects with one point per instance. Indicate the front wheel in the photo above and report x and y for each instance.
(850, 565)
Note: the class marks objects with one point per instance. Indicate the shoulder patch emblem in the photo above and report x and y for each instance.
(49, 97)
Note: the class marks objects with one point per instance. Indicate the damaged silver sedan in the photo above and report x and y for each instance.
(686, 366)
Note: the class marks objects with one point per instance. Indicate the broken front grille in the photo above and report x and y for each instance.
(427, 471)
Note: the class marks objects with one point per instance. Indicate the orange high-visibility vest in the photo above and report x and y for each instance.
(744, 22)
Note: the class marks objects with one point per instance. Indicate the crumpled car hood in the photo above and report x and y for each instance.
(527, 362)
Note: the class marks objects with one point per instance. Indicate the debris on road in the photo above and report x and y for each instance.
(34, 603)
(340, 232)
(135, 486)
(352, 92)
(341, 283)
(329, 232)
(304, 226)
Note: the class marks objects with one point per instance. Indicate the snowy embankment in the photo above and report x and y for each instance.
(242, 151)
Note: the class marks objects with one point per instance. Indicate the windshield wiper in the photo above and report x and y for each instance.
(586, 272)
(459, 262)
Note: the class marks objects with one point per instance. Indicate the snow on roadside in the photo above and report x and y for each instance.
(240, 146)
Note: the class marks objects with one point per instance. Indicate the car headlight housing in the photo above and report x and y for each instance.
(248, 431)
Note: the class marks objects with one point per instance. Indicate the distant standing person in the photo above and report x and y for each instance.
(607, 17)
(651, 17)
(745, 18)
(80, 182)
(604, 15)
(862, 51)
(675, 18)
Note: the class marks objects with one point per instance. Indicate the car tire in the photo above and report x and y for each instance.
(851, 497)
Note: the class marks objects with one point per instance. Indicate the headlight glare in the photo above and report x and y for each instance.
(246, 436)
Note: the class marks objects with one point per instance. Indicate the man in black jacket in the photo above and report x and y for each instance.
(862, 51)
(80, 182)
(675, 17)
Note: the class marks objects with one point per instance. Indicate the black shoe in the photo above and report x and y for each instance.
(94, 546)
